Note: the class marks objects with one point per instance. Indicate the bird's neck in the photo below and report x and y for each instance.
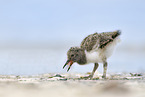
(83, 59)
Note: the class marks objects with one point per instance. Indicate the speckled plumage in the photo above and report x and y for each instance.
(95, 48)
(100, 40)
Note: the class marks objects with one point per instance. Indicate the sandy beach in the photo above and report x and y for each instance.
(72, 85)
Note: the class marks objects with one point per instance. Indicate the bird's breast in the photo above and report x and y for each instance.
(94, 56)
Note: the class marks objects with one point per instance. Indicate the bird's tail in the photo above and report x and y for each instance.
(116, 34)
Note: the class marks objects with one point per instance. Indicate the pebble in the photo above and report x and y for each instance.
(64, 79)
(136, 74)
(57, 75)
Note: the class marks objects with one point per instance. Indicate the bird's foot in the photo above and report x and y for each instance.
(90, 76)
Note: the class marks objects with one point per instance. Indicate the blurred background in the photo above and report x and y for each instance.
(36, 34)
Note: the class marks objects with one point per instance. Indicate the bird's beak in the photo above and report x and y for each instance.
(68, 62)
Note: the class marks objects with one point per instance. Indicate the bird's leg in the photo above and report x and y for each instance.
(105, 69)
(95, 68)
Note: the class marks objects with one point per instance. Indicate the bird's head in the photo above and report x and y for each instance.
(75, 54)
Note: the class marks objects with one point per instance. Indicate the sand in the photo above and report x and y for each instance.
(72, 85)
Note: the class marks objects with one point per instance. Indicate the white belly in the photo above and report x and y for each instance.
(97, 56)
(94, 56)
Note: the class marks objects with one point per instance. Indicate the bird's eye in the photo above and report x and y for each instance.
(72, 55)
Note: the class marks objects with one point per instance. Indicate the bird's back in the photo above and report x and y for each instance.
(99, 40)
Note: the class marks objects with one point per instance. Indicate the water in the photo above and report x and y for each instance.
(51, 60)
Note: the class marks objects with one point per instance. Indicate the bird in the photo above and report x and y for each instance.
(95, 48)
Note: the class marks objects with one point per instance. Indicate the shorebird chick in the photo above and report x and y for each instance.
(95, 48)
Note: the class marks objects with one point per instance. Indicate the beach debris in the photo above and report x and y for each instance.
(97, 78)
(63, 79)
(85, 77)
(134, 78)
(18, 77)
(57, 75)
(136, 74)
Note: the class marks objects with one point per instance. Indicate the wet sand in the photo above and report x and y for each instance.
(73, 85)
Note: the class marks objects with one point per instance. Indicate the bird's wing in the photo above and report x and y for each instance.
(96, 41)
(107, 37)
(90, 42)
